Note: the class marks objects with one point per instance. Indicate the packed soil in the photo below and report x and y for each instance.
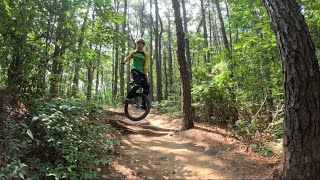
(154, 148)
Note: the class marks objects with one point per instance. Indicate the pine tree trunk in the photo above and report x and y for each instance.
(205, 33)
(54, 77)
(301, 138)
(98, 68)
(75, 86)
(166, 92)
(170, 69)
(124, 25)
(184, 75)
(157, 56)
(14, 73)
(223, 29)
(90, 72)
(185, 26)
(116, 66)
(151, 94)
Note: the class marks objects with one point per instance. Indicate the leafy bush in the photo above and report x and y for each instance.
(57, 140)
(172, 106)
(263, 149)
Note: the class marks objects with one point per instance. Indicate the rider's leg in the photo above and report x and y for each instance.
(146, 89)
(137, 82)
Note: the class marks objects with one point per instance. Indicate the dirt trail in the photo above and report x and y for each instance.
(204, 152)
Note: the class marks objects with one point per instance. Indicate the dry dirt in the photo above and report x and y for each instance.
(157, 150)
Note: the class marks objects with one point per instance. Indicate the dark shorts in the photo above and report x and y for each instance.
(140, 80)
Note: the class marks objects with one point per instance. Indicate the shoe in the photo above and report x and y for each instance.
(128, 101)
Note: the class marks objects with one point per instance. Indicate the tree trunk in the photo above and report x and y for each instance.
(75, 86)
(223, 29)
(15, 73)
(116, 66)
(124, 25)
(166, 92)
(116, 58)
(142, 24)
(301, 138)
(98, 68)
(184, 75)
(170, 58)
(90, 72)
(157, 57)
(185, 26)
(151, 94)
(205, 34)
(54, 77)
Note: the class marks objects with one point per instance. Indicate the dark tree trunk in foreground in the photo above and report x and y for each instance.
(184, 73)
(301, 138)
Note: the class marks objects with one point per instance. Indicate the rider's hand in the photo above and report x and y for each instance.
(123, 62)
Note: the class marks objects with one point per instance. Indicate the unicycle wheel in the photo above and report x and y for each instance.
(136, 111)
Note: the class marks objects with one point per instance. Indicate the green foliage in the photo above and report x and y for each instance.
(246, 128)
(171, 106)
(263, 149)
(57, 140)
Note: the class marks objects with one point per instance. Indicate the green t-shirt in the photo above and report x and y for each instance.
(140, 60)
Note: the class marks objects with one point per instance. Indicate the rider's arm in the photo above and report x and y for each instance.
(129, 56)
(146, 63)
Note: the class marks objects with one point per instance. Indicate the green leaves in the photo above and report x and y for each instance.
(30, 133)
(58, 140)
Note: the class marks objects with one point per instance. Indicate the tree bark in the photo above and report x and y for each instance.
(116, 58)
(157, 56)
(184, 75)
(205, 33)
(223, 29)
(98, 68)
(165, 75)
(124, 25)
(301, 138)
(75, 86)
(151, 94)
(54, 77)
(185, 26)
(90, 72)
(170, 69)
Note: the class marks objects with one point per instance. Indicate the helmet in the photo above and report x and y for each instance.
(141, 41)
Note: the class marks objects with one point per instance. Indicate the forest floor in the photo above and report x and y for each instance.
(154, 148)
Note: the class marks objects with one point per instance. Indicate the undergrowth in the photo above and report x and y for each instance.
(56, 140)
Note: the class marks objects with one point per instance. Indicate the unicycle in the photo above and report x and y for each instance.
(135, 110)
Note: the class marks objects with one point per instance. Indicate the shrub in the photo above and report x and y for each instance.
(57, 139)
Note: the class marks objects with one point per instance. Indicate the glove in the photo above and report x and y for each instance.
(123, 62)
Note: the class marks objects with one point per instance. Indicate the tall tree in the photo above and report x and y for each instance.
(170, 69)
(184, 74)
(223, 29)
(99, 68)
(156, 54)
(116, 56)
(124, 25)
(205, 33)
(301, 137)
(77, 67)
(151, 54)
(185, 26)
